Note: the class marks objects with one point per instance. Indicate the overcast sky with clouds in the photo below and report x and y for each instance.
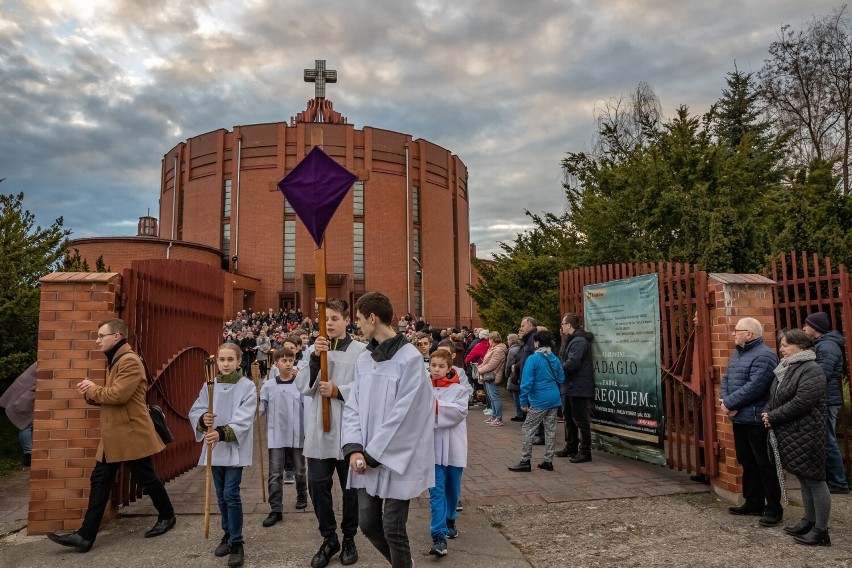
(94, 92)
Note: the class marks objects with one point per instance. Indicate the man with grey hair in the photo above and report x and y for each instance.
(743, 394)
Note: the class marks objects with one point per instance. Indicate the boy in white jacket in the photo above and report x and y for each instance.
(451, 406)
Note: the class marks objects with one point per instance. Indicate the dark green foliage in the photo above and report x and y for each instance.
(27, 252)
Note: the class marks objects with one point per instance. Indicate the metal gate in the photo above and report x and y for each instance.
(173, 310)
(687, 381)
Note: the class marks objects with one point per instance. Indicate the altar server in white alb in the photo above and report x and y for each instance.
(323, 448)
(234, 404)
(388, 430)
(284, 406)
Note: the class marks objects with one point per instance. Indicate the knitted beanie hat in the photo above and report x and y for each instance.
(819, 321)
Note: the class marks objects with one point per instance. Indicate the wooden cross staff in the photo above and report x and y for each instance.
(321, 289)
(210, 371)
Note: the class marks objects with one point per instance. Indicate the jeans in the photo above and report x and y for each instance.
(493, 392)
(102, 480)
(835, 476)
(537, 418)
(320, 481)
(761, 489)
(578, 430)
(519, 413)
(443, 498)
(227, 482)
(275, 480)
(25, 438)
(383, 523)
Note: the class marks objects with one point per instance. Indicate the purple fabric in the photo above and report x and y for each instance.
(315, 188)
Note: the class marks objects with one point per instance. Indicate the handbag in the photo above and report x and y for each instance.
(474, 373)
(489, 376)
(158, 417)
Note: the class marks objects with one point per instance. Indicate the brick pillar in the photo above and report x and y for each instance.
(734, 296)
(66, 430)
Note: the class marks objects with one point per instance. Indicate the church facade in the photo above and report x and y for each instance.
(402, 229)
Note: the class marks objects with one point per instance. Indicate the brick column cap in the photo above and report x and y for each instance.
(80, 277)
(725, 278)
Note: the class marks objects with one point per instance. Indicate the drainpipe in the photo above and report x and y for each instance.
(407, 234)
(235, 230)
(174, 196)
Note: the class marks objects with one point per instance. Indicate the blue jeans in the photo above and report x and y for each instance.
(443, 498)
(493, 392)
(835, 476)
(227, 481)
(519, 413)
(25, 437)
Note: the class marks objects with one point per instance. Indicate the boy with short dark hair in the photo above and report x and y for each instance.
(285, 432)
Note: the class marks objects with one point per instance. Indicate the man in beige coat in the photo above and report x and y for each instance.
(127, 436)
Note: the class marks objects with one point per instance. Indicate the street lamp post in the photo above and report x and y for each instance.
(422, 287)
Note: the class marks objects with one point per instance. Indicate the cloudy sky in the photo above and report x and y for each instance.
(94, 92)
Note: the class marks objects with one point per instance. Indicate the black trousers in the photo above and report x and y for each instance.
(761, 489)
(102, 480)
(320, 481)
(578, 427)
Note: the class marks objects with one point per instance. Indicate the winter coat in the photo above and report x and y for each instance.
(745, 385)
(796, 409)
(477, 352)
(540, 381)
(513, 378)
(829, 356)
(576, 357)
(494, 360)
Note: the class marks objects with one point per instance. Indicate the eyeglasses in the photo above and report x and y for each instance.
(739, 330)
(101, 335)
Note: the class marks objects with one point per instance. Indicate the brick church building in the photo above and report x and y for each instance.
(403, 228)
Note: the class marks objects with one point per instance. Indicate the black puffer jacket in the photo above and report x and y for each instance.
(829, 355)
(576, 356)
(796, 409)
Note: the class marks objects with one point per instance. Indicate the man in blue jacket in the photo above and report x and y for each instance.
(828, 345)
(744, 391)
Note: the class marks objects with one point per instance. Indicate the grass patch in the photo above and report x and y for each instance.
(9, 465)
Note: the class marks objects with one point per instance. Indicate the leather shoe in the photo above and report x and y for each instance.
(330, 547)
(161, 527)
(224, 547)
(746, 509)
(301, 501)
(547, 466)
(566, 453)
(802, 527)
(272, 518)
(581, 458)
(348, 553)
(770, 519)
(72, 540)
(236, 555)
(814, 537)
(521, 466)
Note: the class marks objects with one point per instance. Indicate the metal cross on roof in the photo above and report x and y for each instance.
(320, 76)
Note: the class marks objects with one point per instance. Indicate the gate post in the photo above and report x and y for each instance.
(734, 296)
(66, 430)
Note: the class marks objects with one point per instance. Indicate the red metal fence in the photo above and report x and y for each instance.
(687, 383)
(806, 283)
(173, 311)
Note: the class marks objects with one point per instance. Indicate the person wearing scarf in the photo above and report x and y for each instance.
(795, 415)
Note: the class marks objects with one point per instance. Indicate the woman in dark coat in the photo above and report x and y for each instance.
(795, 412)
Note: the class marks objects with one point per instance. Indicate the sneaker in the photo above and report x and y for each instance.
(224, 548)
(746, 509)
(771, 518)
(330, 546)
(439, 547)
(521, 466)
(496, 422)
(459, 507)
(348, 551)
(489, 421)
(272, 518)
(836, 490)
(289, 477)
(487, 412)
(236, 556)
(301, 501)
(546, 465)
(452, 532)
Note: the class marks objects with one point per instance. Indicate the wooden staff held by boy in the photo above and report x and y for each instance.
(255, 375)
(210, 369)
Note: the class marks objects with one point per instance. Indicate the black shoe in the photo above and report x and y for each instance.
(224, 547)
(771, 518)
(72, 540)
(236, 556)
(330, 547)
(273, 518)
(538, 441)
(802, 527)
(566, 452)
(28, 460)
(835, 490)
(301, 501)
(439, 547)
(162, 527)
(521, 466)
(581, 458)
(348, 552)
(547, 466)
(700, 478)
(517, 418)
(814, 537)
(452, 531)
(746, 509)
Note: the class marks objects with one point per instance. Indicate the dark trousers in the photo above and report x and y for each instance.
(102, 480)
(320, 481)
(578, 427)
(383, 523)
(761, 489)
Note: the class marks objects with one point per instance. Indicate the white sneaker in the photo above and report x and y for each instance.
(487, 412)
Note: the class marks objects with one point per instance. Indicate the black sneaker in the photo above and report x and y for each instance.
(224, 547)
(452, 532)
(348, 553)
(521, 466)
(771, 518)
(237, 555)
(439, 547)
(301, 501)
(330, 547)
(545, 465)
(746, 509)
(273, 518)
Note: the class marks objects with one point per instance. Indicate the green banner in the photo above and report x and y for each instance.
(624, 316)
